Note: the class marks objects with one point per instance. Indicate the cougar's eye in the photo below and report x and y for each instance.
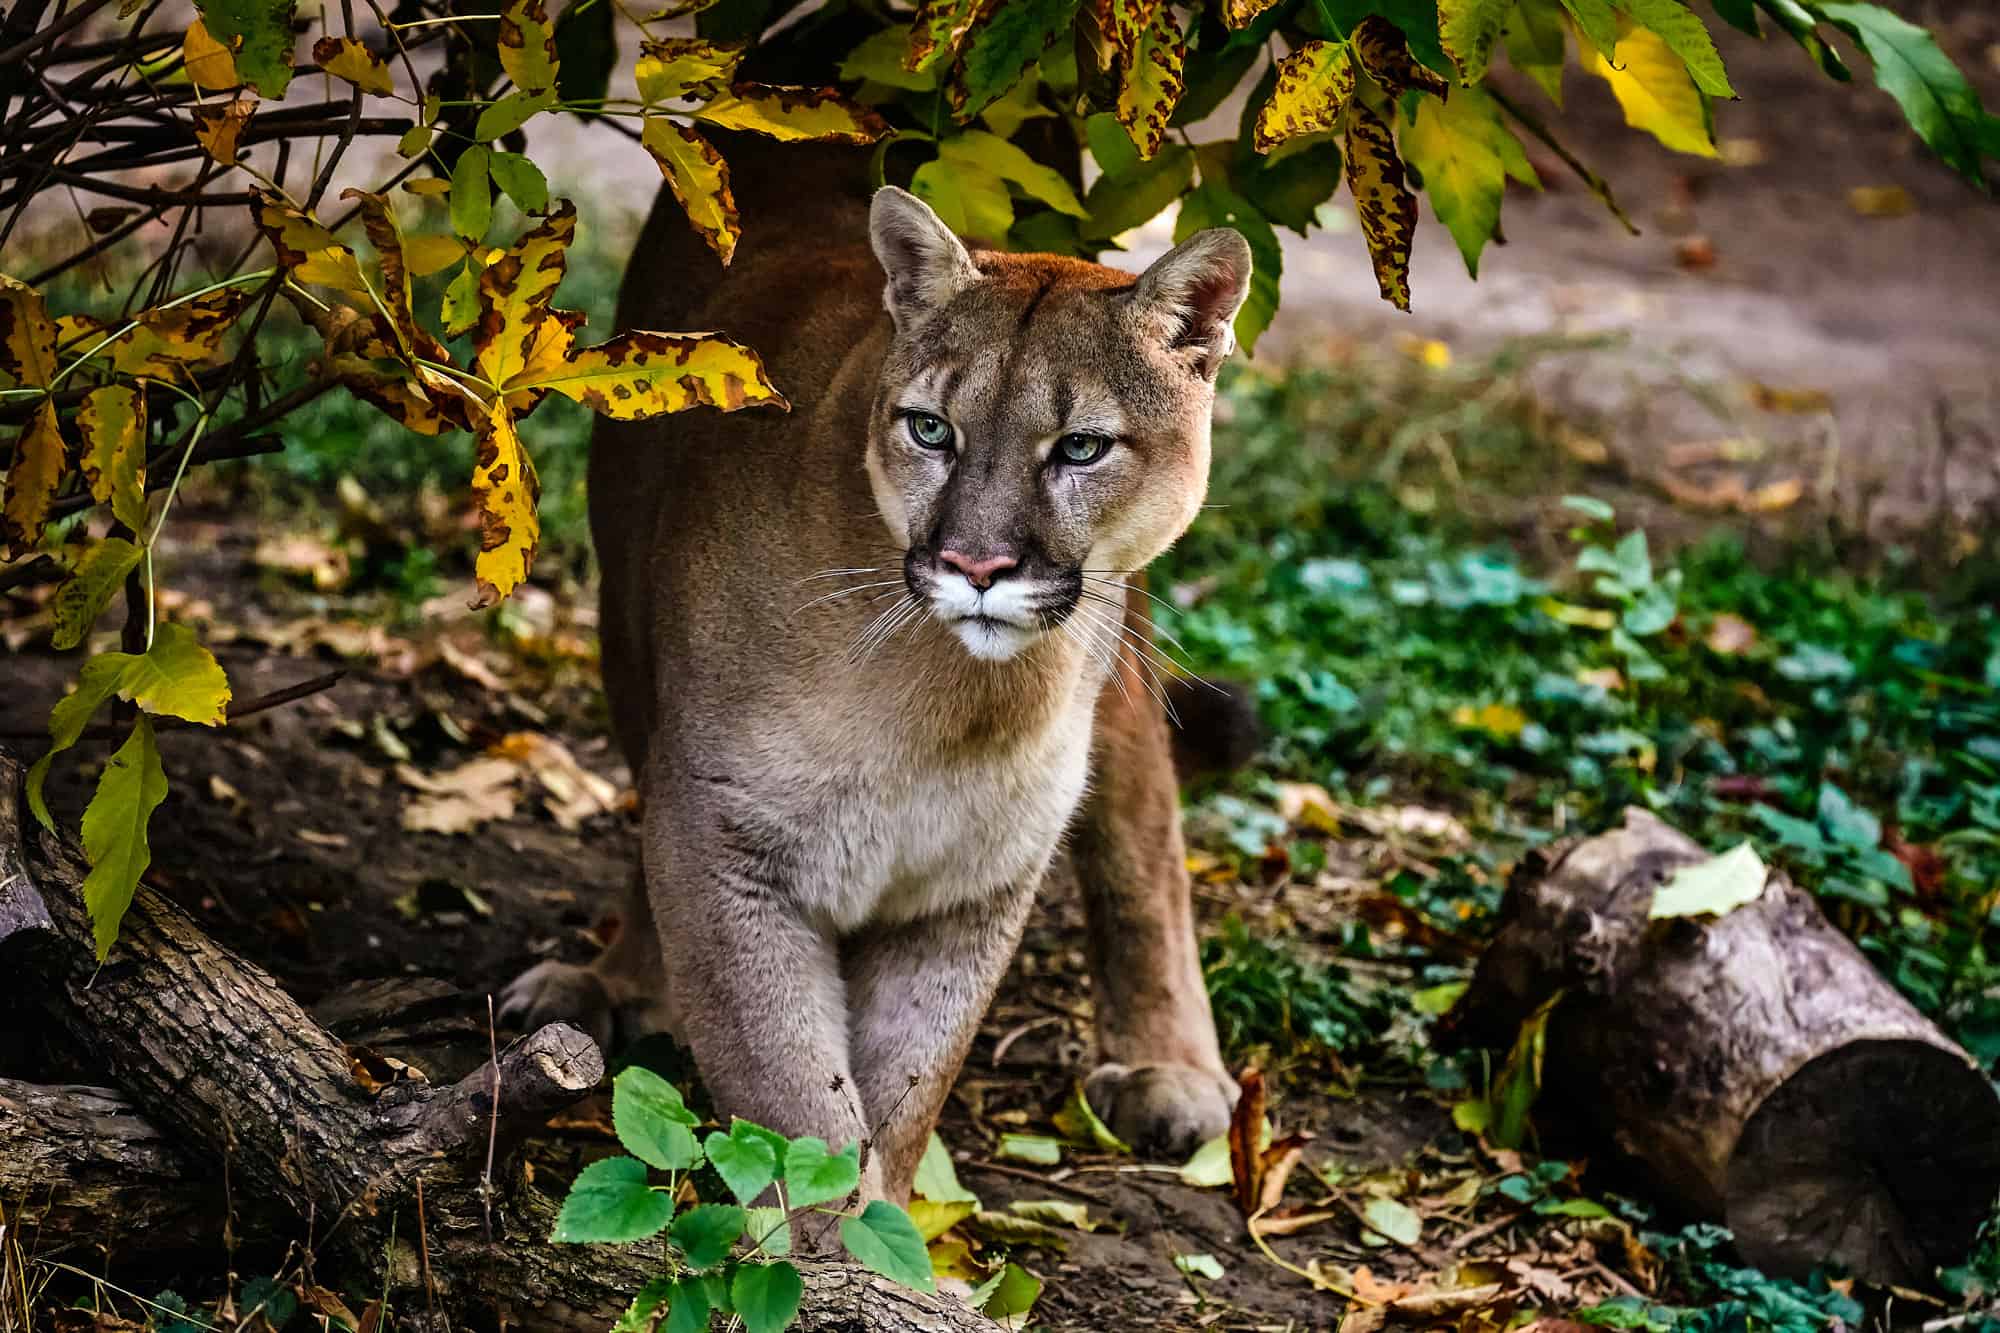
(1082, 450)
(931, 432)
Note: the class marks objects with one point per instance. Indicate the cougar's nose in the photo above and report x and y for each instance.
(980, 572)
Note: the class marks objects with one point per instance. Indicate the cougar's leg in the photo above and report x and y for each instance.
(918, 992)
(622, 992)
(1162, 1085)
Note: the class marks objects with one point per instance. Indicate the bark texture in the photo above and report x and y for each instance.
(1756, 1064)
(218, 1069)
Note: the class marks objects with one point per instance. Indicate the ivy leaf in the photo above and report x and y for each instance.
(1315, 82)
(1384, 204)
(259, 34)
(81, 599)
(992, 153)
(815, 1175)
(1940, 105)
(652, 1121)
(699, 178)
(706, 1232)
(351, 62)
(611, 1202)
(1468, 30)
(769, 1229)
(766, 1296)
(1007, 39)
(518, 179)
(527, 46)
(1655, 90)
(40, 462)
(1687, 37)
(1212, 205)
(745, 1160)
(1465, 153)
(886, 1241)
(114, 831)
(1151, 75)
(505, 492)
(794, 114)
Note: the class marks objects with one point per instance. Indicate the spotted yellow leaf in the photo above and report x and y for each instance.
(1655, 90)
(39, 463)
(1150, 80)
(548, 352)
(361, 354)
(1239, 14)
(1130, 20)
(209, 63)
(1314, 82)
(112, 422)
(392, 278)
(674, 67)
(699, 178)
(938, 31)
(793, 114)
(1469, 30)
(514, 295)
(81, 598)
(350, 61)
(1382, 201)
(305, 248)
(218, 126)
(528, 45)
(27, 337)
(1385, 53)
(506, 490)
(159, 343)
(641, 374)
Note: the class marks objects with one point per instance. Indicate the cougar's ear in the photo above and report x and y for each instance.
(926, 264)
(1191, 294)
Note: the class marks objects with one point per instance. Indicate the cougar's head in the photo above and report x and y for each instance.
(1039, 420)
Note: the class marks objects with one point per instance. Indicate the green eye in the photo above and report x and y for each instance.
(1082, 450)
(929, 431)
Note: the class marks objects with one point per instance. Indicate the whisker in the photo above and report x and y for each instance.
(847, 592)
(1096, 596)
(1123, 586)
(1086, 640)
(837, 573)
(1149, 677)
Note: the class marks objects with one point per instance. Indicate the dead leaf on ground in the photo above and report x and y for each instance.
(1308, 805)
(471, 665)
(302, 556)
(1881, 201)
(571, 792)
(376, 1072)
(1731, 493)
(1740, 152)
(1729, 449)
(1772, 398)
(459, 800)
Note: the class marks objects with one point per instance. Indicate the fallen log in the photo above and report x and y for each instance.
(1755, 1065)
(227, 1072)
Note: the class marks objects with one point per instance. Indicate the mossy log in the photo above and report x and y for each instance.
(1756, 1065)
(218, 1069)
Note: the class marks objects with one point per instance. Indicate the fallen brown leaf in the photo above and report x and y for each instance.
(1730, 635)
(1881, 201)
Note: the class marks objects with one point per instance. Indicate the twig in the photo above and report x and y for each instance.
(493, 1125)
(262, 703)
(70, 22)
(1485, 1229)
(424, 1256)
(1063, 1187)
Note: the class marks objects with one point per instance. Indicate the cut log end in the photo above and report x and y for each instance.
(1886, 1153)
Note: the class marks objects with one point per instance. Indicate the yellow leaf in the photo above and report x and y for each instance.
(1314, 82)
(27, 337)
(1384, 204)
(642, 374)
(38, 467)
(167, 340)
(1655, 90)
(675, 67)
(546, 355)
(515, 292)
(794, 113)
(218, 127)
(112, 422)
(378, 217)
(1131, 20)
(1238, 13)
(699, 178)
(933, 1219)
(528, 45)
(1501, 721)
(81, 597)
(176, 677)
(114, 831)
(428, 254)
(1150, 80)
(938, 30)
(209, 63)
(349, 60)
(505, 489)
(1385, 54)
(305, 248)
(429, 187)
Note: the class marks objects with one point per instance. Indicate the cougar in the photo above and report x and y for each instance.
(877, 662)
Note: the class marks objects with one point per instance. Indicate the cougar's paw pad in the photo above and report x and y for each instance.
(555, 992)
(1164, 1111)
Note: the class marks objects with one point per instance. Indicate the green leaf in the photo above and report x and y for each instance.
(81, 599)
(1009, 1295)
(1464, 151)
(1537, 44)
(746, 1161)
(95, 683)
(472, 193)
(264, 28)
(766, 1296)
(1803, 27)
(1037, 1149)
(1468, 30)
(611, 1202)
(1938, 102)
(1715, 887)
(459, 310)
(1597, 22)
(1520, 1081)
(1687, 37)
(706, 1232)
(1081, 1125)
(586, 51)
(1739, 14)
(1212, 205)
(690, 1304)
(1590, 507)
(1209, 1168)
(1288, 187)
(970, 200)
(879, 59)
(990, 152)
(1213, 72)
(1199, 1265)
(1110, 146)
(520, 180)
(1391, 1219)
(652, 1121)
(114, 831)
(815, 1175)
(1845, 822)
(1000, 50)
(638, 1316)
(511, 112)
(176, 677)
(937, 1178)
(886, 1241)
(769, 1230)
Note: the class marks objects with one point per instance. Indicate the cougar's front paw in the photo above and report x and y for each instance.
(1164, 1111)
(555, 992)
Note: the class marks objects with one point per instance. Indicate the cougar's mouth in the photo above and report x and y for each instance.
(998, 621)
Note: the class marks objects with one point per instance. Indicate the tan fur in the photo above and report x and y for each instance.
(844, 833)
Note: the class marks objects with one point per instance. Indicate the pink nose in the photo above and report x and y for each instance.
(980, 572)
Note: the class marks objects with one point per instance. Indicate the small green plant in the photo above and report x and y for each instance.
(725, 1258)
(1264, 994)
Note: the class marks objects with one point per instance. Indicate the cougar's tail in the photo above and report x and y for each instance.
(1215, 726)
